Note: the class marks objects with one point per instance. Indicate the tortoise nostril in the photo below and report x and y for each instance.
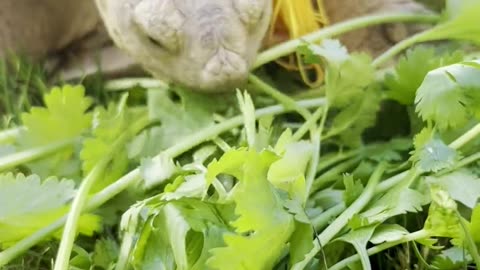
(250, 11)
(155, 42)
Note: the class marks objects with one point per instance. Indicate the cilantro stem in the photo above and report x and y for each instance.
(66, 244)
(32, 154)
(333, 173)
(399, 47)
(374, 250)
(337, 225)
(289, 47)
(126, 83)
(279, 96)
(320, 221)
(311, 121)
(312, 168)
(466, 137)
(134, 176)
(470, 242)
(9, 135)
(70, 231)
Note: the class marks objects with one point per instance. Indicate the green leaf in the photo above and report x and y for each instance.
(109, 124)
(461, 185)
(449, 95)
(105, 253)
(396, 201)
(461, 23)
(475, 224)
(411, 70)
(181, 113)
(248, 111)
(300, 242)
(359, 239)
(331, 50)
(263, 226)
(453, 258)
(63, 118)
(354, 119)
(443, 220)
(435, 156)
(343, 83)
(388, 233)
(191, 186)
(288, 173)
(353, 189)
(29, 204)
(177, 235)
(432, 154)
(156, 170)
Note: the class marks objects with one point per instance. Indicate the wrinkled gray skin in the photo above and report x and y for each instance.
(207, 45)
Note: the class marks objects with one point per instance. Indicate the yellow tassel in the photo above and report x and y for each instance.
(292, 19)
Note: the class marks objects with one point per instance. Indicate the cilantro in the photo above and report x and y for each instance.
(411, 70)
(29, 204)
(108, 125)
(461, 185)
(65, 117)
(443, 220)
(263, 226)
(448, 95)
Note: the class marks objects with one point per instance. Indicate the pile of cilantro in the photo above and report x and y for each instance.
(377, 168)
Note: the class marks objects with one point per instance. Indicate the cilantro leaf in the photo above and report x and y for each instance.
(29, 204)
(178, 118)
(288, 173)
(353, 189)
(451, 259)
(388, 233)
(109, 124)
(396, 201)
(461, 185)
(355, 118)
(343, 83)
(63, 118)
(411, 70)
(475, 224)
(263, 226)
(461, 22)
(156, 170)
(359, 239)
(435, 156)
(105, 253)
(449, 95)
(443, 220)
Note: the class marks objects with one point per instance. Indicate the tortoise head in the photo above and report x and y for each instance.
(206, 45)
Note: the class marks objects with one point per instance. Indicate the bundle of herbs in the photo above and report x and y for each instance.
(375, 169)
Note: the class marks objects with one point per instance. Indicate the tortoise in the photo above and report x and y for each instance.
(205, 45)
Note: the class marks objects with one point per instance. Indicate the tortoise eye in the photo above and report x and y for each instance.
(161, 22)
(250, 11)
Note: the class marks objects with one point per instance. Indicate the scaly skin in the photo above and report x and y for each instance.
(206, 45)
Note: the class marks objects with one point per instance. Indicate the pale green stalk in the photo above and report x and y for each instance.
(291, 46)
(343, 264)
(337, 225)
(9, 135)
(15, 159)
(70, 231)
